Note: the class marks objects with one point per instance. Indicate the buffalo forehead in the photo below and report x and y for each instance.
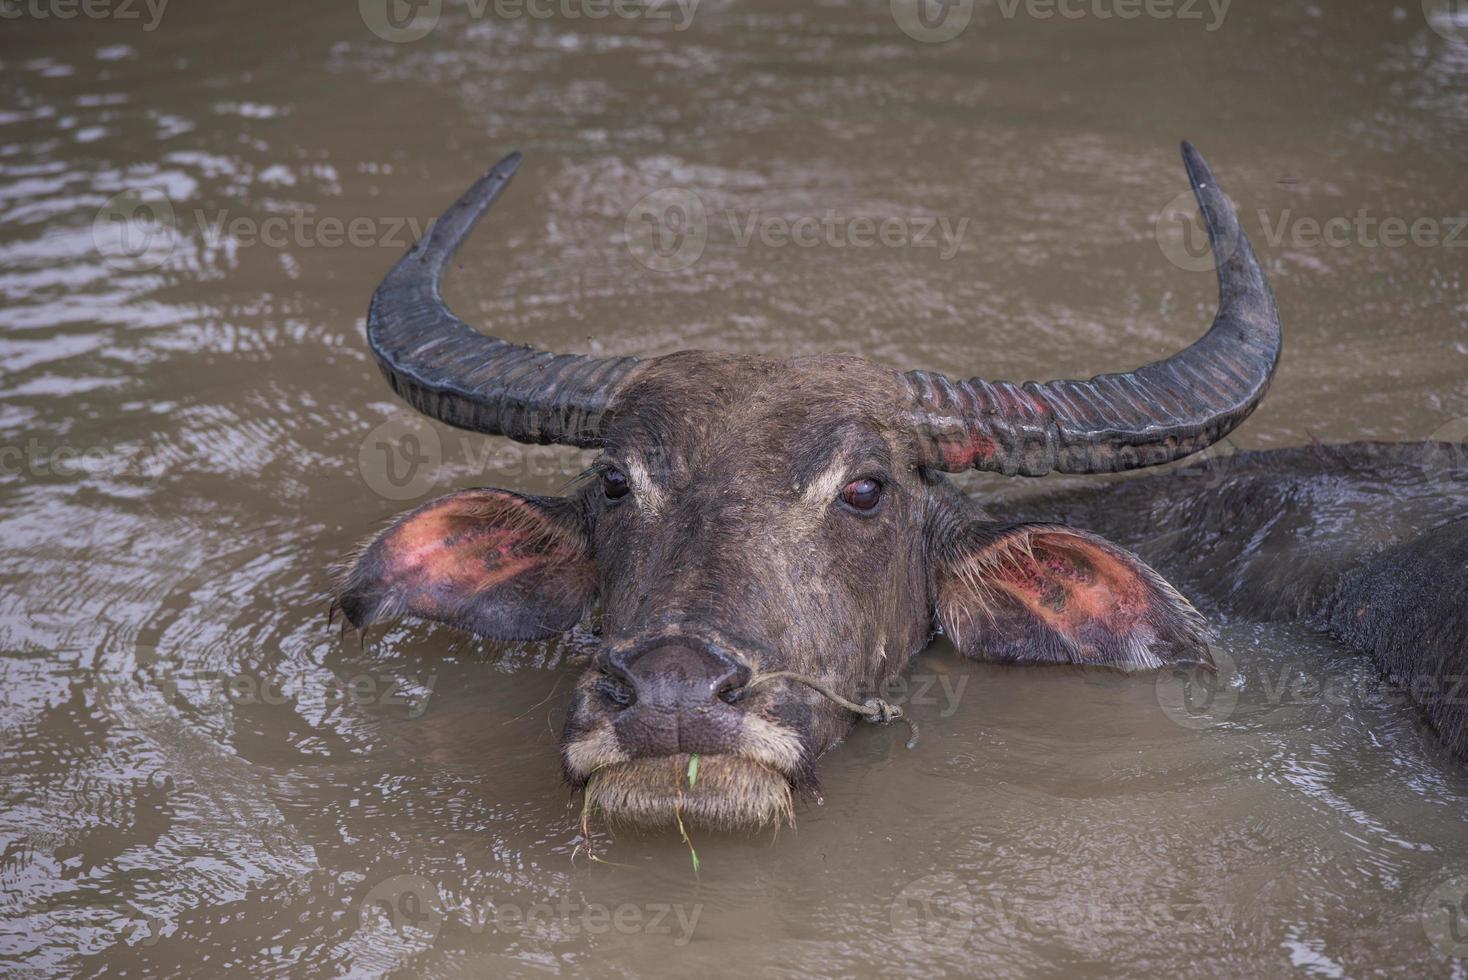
(788, 421)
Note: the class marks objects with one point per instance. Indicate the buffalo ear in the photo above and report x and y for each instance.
(1046, 593)
(492, 562)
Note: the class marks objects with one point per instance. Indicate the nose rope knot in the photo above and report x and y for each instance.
(875, 710)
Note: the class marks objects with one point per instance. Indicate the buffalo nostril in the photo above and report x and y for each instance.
(614, 691)
(732, 693)
(682, 696)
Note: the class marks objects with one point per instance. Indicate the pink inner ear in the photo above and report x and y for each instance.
(1070, 584)
(1049, 594)
(470, 543)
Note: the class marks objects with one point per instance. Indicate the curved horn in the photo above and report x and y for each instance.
(1152, 415)
(447, 370)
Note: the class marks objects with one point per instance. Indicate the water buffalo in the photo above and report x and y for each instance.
(771, 540)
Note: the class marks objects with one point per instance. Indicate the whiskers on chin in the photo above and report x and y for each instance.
(729, 793)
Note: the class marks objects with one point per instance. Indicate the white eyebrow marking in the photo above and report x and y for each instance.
(823, 488)
(649, 494)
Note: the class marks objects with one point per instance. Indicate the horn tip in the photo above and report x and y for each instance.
(1199, 172)
(508, 165)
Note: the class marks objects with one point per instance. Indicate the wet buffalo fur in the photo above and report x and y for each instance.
(735, 537)
(1365, 541)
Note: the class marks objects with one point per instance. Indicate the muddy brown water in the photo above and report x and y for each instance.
(199, 778)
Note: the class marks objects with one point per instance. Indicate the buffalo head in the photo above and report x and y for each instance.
(755, 530)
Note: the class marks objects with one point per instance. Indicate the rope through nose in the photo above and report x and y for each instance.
(875, 710)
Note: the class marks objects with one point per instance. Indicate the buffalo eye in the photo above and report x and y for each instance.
(863, 495)
(614, 484)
